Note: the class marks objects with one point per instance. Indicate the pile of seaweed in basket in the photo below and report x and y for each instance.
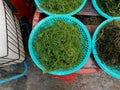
(111, 7)
(60, 6)
(58, 46)
(108, 44)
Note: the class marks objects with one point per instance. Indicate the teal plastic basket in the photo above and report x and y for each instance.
(50, 20)
(37, 2)
(94, 2)
(112, 72)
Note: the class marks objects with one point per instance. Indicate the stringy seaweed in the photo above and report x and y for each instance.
(111, 7)
(60, 6)
(108, 44)
(58, 46)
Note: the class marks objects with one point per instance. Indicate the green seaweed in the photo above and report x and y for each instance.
(108, 44)
(111, 7)
(58, 46)
(60, 6)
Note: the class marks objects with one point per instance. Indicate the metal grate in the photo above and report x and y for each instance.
(12, 50)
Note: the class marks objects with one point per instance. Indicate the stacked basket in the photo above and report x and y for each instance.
(50, 20)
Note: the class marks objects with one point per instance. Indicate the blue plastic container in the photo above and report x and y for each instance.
(37, 2)
(94, 2)
(50, 20)
(112, 72)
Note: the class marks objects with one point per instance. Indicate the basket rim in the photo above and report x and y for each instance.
(32, 53)
(71, 13)
(94, 51)
(97, 8)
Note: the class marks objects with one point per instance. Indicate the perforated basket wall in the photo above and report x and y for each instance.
(11, 45)
(86, 44)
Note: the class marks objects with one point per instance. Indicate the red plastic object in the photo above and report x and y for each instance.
(87, 70)
(36, 19)
(71, 77)
(66, 78)
(23, 9)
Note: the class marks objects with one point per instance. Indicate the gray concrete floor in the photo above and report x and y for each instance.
(35, 80)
